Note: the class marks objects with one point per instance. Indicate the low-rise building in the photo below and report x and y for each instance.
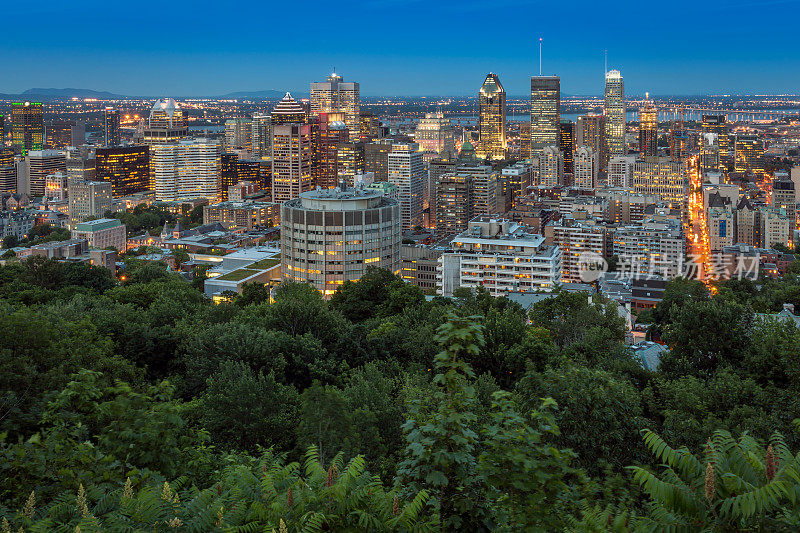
(102, 233)
(501, 256)
(247, 215)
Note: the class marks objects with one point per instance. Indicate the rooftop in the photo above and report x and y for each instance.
(99, 224)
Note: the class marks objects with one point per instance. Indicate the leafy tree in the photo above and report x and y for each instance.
(252, 293)
(527, 476)
(10, 241)
(242, 408)
(705, 334)
(441, 452)
(599, 414)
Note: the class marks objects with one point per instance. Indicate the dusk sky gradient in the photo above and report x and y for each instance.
(394, 47)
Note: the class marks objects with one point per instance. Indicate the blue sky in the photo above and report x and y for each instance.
(394, 47)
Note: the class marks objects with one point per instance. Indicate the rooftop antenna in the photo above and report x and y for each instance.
(605, 62)
(540, 56)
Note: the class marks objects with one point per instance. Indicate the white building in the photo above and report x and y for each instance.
(720, 228)
(551, 167)
(185, 169)
(776, 227)
(585, 168)
(89, 199)
(406, 169)
(652, 247)
(620, 171)
(500, 256)
(578, 237)
(435, 136)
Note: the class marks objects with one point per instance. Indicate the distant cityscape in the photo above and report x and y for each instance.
(513, 194)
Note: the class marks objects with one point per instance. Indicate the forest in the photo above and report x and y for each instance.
(143, 406)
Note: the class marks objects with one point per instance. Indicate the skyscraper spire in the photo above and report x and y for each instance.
(540, 56)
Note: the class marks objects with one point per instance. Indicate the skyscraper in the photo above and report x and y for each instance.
(585, 172)
(167, 122)
(291, 150)
(435, 136)
(566, 143)
(126, 167)
(407, 172)
(591, 131)
(185, 169)
(492, 118)
(8, 171)
(749, 154)
(717, 124)
(349, 161)
(239, 134)
(648, 130)
(545, 112)
(111, 127)
(614, 111)
(288, 111)
(35, 168)
(326, 138)
(260, 135)
(27, 126)
(336, 95)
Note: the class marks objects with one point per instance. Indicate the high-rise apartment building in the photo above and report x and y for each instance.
(453, 203)
(648, 130)
(260, 136)
(435, 136)
(376, 158)
(551, 167)
(485, 188)
(334, 95)
(566, 143)
(127, 168)
(492, 119)
(27, 127)
(349, 161)
(331, 236)
(185, 169)
(167, 122)
(545, 112)
(663, 177)
(406, 170)
(614, 111)
(585, 169)
(111, 133)
(749, 154)
(590, 130)
(239, 134)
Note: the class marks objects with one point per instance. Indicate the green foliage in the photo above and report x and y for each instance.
(736, 485)
(255, 495)
(441, 450)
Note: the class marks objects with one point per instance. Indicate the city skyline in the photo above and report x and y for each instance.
(205, 58)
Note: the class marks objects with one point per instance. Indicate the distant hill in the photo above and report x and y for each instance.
(71, 93)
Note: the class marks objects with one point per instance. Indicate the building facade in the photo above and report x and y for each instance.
(185, 169)
(492, 119)
(614, 110)
(406, 170)
(126, 167)
(545, 112)
(500, 256)
(331, 236)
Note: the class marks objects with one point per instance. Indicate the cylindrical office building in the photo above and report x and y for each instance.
(329, 236)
